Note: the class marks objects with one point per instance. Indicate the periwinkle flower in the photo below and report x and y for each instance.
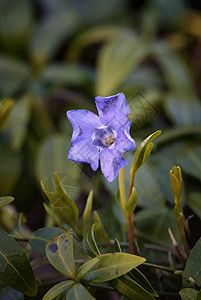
(102, 137)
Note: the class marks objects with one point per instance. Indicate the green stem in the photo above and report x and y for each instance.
(158, 267)
(122, 191)
(131, 225)
(19, 238)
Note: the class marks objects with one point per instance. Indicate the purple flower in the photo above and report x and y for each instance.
(102, 138)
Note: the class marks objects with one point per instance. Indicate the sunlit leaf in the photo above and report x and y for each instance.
(5, 109)
(108, 266)
(5, 200)
(190, 294)
(57, 289)
(59, 251)
(15, 269)
(89, 242)
(87, 212)
(79, 292)
(131, 289)
(62, 205)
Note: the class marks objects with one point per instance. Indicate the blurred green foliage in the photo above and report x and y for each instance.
(59, 55)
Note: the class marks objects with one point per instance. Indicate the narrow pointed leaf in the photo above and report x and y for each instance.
(5, 200)
(89, 242)
(139, 278)
(59, 251)
(139, 157)
(62, 205)
(79, 292)
(15, 269)
(57, 289)
(5, 110)
(87, 212)
(130, 289)
(109, 266)
(100, 230)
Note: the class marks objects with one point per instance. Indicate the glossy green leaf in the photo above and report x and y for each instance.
(5, 200)
(59, 251)
(5, 109)
(142, 152)
(132, 201)
(193, 266)
(189, 294)
(87, 212)
(15, 269)
(139, 278)
(79, 292)
(58, 289)
(108, 266)
(89, 242)
(40, 237)
(62, 205)
(101, 232)
(130, 289)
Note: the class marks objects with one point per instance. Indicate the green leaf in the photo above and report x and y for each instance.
(132, 201)
(50, 34)
(142, 152)
(62, 205)
(193, 201)
(15, 269)
(5, 200)
(139, 278)
(116, 61)
(5, 109)
(108, 266)
(87, 212)
(17, 124)
(40, 237)
(101, 232)
(52, 215)
(193, 267)
(89, 242)
(10, 294)
(59, 251)
(79, 292)
(57, 289)
(130, 289)
(189, 294)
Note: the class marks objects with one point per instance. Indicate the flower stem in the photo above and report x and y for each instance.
(122, 191)
(131, 225)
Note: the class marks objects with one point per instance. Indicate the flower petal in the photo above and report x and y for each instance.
(113, 110)
(83, 122)
(124, 142)
(85, 152)
(111, 162)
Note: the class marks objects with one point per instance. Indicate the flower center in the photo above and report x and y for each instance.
(104, 137)
(108, 139)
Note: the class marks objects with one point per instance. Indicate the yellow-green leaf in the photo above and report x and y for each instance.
(108, 266)
(132, 201)
(5, 109)
(57, 289)
(59, 251)
(89, 242)
(87, 212)
(79, 292)
(5, 200)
